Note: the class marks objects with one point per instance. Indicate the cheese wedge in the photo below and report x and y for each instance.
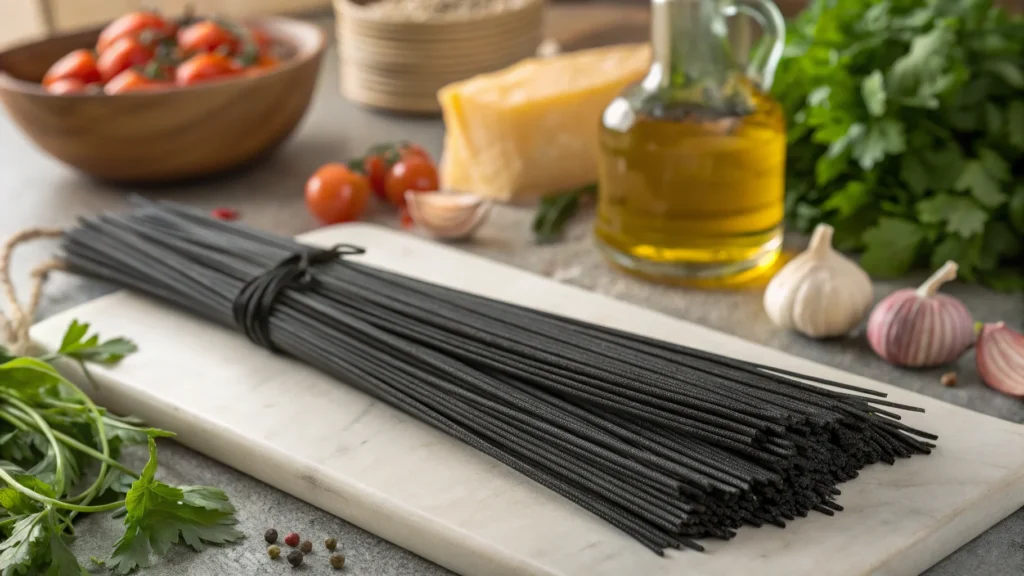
(531, 129)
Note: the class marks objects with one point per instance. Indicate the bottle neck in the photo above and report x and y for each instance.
(690, 44)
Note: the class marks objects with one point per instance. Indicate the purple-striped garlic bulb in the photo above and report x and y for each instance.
(1000, 358)
(921, 328)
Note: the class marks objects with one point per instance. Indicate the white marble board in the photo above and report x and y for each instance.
(334, 447)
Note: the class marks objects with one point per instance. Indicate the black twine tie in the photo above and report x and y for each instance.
(255, 301)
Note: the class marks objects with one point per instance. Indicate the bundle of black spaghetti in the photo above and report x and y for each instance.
(667, 443)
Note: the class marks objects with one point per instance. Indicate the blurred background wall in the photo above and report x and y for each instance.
(28, 19)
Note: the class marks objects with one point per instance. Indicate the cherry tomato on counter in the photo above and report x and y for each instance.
(380, 159)
(412, 172)
(131, 80)
(376, 168)
(136, 25)
(409, 149)
(206, 36)
(78, 65)
(204, 67)
(336, 194)
(123, 54)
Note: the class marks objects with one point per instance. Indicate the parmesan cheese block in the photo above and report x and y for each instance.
(531, 129)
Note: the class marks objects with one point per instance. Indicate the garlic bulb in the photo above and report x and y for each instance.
(919, 328)
(447, 216)
(820, 293)
(1000, 358)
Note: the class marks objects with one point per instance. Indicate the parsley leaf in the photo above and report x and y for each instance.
(962, 251)
(51, 433)
(20, 552)
(891, 246)
(76, 345)
(1015, 124)
(994, 164)
(981, 184)
(907, 131)
(961, 215)
(848, 199)
(873, 91)
(62, 561)
(159, 515)
(1017, 209)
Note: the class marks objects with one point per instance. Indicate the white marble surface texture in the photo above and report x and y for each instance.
(334, 447)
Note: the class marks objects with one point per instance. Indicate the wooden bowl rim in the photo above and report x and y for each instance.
(302, 57)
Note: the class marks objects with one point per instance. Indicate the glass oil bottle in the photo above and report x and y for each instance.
(692, 158)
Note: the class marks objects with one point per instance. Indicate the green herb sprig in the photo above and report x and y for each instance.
(555, 211)
(53, 438)
(906, 133)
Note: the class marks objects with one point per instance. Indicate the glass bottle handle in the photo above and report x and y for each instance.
(765, 58)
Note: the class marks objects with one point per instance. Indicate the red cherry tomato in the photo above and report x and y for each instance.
(131, 80)
(376, 168)
(206, 36)
(123, 54)
(412, 172)
(410, 149)
(264, 65)
(203, 68)
(66, 86)
(78, 64)
(261, 38)
(336, 194)
(134, 25)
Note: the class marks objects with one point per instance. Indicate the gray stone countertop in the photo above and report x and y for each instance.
(37, 191)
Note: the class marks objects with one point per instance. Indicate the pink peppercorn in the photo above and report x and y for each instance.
(226, 214)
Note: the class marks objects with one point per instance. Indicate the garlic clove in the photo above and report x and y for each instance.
(921, 328)
(447, 216)
(820, 293)
(1000, 358)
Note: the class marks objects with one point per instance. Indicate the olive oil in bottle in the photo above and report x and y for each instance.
(692, 160)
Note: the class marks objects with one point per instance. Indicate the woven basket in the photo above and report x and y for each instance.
(400, 65)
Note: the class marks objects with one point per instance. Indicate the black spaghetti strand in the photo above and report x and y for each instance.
(666, 443)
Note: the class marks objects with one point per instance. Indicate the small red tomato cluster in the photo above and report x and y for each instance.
(341, 192)
(143, 51)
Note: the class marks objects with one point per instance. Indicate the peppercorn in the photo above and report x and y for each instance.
(274, 551)
(295, 558)
(948, 379)
(306, 547)
(292, 539)
(331, 543)
(338, 561)
(270, 536)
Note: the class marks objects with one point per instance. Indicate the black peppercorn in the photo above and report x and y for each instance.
(295, 558)
(338, 561)
(306, 547)
(270, 536)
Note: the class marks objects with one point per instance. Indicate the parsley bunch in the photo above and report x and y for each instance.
(59, 457)
(906, 133)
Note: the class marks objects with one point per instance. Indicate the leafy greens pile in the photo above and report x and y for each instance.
(906, 133)
(54, 439)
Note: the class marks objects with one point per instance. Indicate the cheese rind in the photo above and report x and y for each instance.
(531, 129)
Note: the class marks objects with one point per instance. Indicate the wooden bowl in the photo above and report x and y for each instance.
(168, 135)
